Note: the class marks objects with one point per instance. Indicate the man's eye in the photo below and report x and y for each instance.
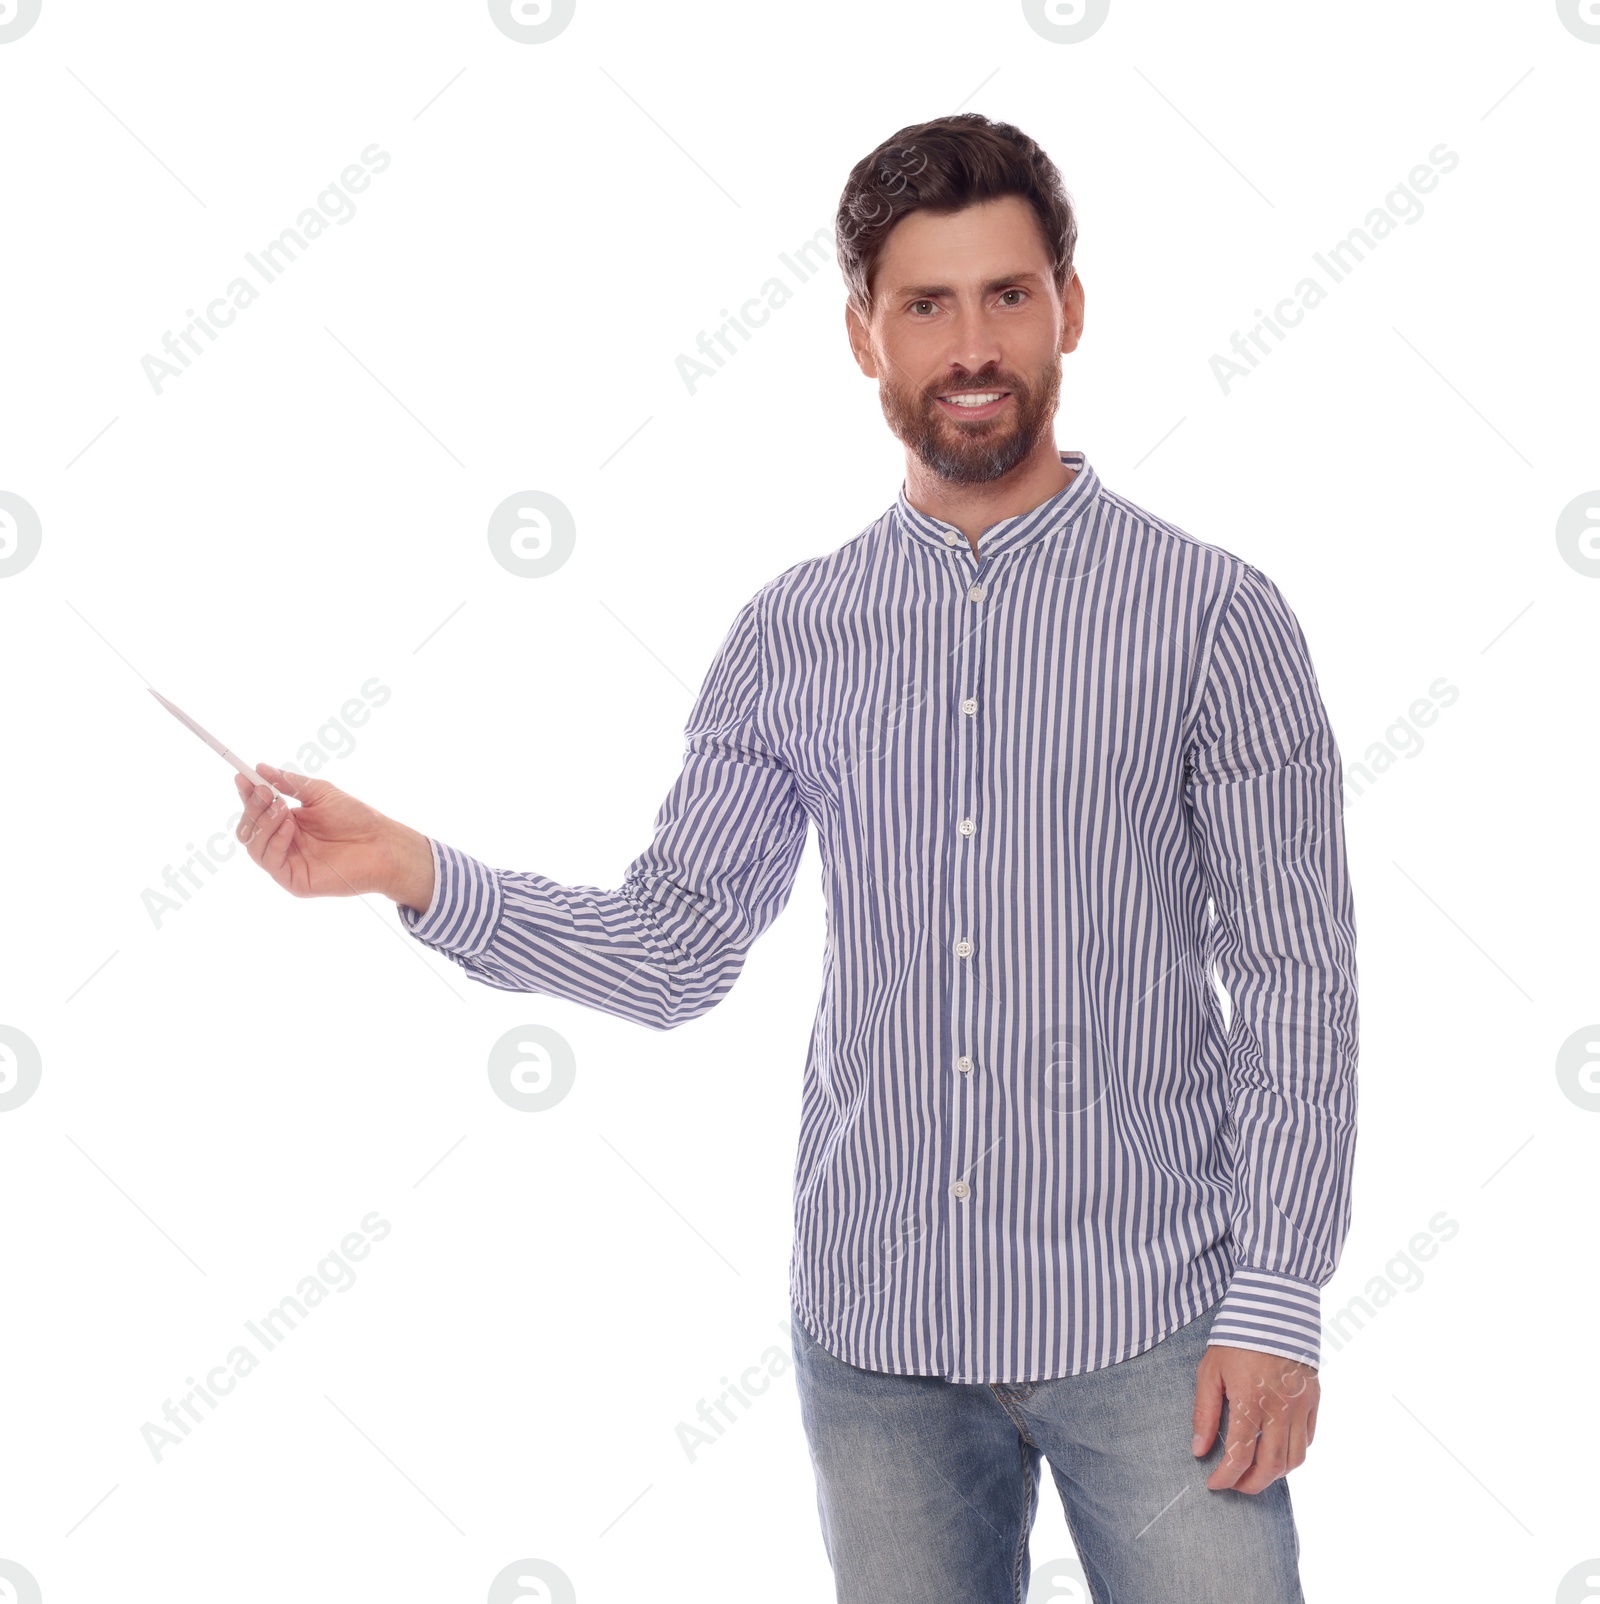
(916, 304)
(1010, 292)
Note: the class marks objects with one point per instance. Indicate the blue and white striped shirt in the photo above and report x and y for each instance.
(1053, 785)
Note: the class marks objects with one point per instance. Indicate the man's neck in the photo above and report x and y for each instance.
(974, 508)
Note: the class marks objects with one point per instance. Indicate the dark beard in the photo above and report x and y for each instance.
(979, 453)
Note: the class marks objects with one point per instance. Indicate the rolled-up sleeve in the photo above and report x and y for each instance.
(668, 943)
(1265, 792)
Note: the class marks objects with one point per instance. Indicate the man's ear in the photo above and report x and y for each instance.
(1072, 315)
(860, 345)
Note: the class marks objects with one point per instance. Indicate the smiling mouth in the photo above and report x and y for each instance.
(973, 403)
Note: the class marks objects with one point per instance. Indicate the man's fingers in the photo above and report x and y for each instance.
(1271, 1411)
(276, 846)
(1299, 1441)
(255, 797)
(1239, 1448)
(1279, 1446)
(1272, 1451)
(268, 825)
(261, 820)
(257, 800)
(1272, 1461)
(1207, 1409)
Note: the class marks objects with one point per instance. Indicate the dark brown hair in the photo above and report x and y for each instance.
(943, 166)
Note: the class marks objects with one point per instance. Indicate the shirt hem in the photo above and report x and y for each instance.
(1195, 1304)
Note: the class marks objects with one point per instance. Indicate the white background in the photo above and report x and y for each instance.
(226, 1094)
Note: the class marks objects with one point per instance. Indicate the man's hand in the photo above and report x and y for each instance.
(1272, 1415)
(331, 845)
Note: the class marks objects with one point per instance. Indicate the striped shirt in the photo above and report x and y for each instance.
(1062, 790)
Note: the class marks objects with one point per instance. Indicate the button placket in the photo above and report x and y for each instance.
(966, 941)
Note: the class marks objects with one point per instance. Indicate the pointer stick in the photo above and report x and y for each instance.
(211, 741)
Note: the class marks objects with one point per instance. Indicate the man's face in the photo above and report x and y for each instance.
(965, 305)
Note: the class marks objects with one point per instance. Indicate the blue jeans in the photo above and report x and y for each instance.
(927, 1488)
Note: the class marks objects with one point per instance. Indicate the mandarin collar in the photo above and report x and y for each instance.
(1050, 517)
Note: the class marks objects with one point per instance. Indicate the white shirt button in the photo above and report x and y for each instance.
(966, 827)
(976, 593)
(952, 537)
(963, 948)
(964, 1064)
(970, 705)
(960, 1189)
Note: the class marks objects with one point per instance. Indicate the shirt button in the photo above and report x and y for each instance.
(960, 1189)
(963, 948)
(966, 827)
(952, 537)
(976, 593)
(964, 1064)
(970, 705)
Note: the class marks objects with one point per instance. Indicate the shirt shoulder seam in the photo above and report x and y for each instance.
(1165, 526)
(757, 717)
(1209, 646)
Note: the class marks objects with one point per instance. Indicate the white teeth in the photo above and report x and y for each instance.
(973, 400)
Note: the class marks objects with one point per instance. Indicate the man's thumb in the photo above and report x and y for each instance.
(302, 787)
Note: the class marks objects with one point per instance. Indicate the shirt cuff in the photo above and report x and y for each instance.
(1273, 1314)
(466, 904)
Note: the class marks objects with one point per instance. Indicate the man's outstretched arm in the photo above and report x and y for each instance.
(662, 948)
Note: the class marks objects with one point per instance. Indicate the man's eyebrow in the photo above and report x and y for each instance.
(919, 291)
